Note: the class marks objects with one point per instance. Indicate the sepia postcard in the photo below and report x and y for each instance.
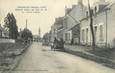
(57, 36)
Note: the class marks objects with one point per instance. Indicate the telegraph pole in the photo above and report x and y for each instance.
(91, 26)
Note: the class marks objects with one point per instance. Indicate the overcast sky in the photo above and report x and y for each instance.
(44, 19)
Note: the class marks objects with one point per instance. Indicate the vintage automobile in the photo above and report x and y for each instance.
(57, 46)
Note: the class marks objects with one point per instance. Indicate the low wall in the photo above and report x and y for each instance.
(2, 40)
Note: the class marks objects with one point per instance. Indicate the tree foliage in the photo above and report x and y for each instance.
(26, 34)
(11, 26)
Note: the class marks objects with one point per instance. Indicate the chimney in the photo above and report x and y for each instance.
(67, 10)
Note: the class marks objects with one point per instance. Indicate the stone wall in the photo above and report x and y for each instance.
(7, 40)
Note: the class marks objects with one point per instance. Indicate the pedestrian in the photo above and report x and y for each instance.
(55, 43)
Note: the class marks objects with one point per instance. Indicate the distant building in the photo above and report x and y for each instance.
(46, 39)
(36, 38)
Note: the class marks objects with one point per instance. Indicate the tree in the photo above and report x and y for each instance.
(26, 34)
(11, 26)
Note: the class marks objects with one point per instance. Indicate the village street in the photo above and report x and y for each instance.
(40, 59)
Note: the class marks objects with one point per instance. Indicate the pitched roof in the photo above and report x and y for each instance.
(102, 8)
(111, 4)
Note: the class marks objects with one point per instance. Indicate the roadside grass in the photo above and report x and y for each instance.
(8, 52)
(108, 53)
(104, 56)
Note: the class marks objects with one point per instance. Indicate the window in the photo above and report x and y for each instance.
(66, 36)
(95, 30)
(92, 12)
(87, 35)
(86, 13)
(101, 33)
(83, 35)
(95, 9)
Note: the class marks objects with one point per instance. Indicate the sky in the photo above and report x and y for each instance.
(42, 19)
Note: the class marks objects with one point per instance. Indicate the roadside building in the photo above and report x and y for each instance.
(46, 39)
(57, 29)
(103, 23)
(73, 17)
(52, 33)
(110, 23)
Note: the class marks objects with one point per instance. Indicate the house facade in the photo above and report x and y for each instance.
(111, 25)
(73, 17)
(74, 27)
(57, 29)
(103, 24)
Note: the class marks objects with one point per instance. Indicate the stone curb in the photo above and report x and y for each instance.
(98, 59)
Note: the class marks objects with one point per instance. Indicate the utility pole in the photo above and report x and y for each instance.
(91, 26)
(39, 32)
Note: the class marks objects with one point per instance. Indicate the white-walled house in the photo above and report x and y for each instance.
(111, 25)
(103, 23)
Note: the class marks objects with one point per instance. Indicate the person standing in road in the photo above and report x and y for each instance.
(55, 43)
